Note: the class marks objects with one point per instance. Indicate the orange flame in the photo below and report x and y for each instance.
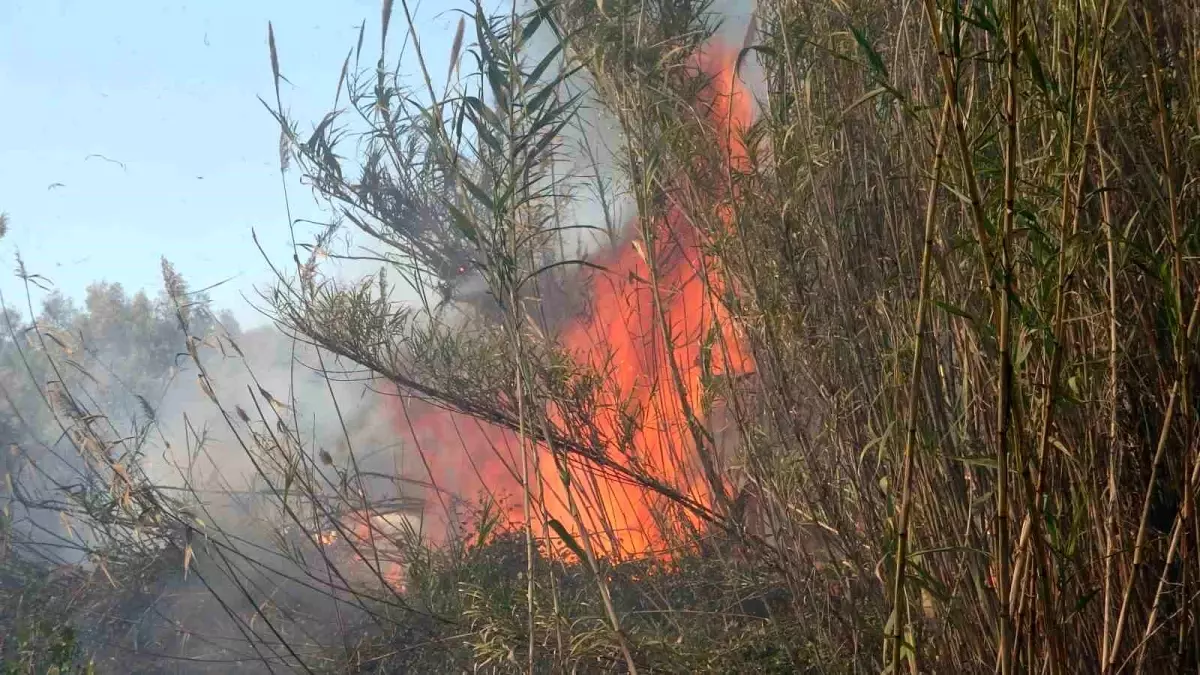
(374, 546)
(656, 382)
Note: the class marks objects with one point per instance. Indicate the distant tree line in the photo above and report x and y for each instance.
(115, 352)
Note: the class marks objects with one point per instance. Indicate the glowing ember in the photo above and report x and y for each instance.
(373, 543)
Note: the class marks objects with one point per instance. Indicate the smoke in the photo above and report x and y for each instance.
(235, 558)
(247, 553)
(241, 587)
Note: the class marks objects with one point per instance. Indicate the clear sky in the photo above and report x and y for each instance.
(167, 88)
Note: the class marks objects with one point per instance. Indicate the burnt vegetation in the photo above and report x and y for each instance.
(823, 337)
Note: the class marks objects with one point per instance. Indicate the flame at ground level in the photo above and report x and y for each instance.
(651, 404)
(373, 541)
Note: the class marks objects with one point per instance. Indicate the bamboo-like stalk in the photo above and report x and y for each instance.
(1140, 540)
(899, 609)
(589, 550)
(970, 177)
(1004, 394)
(1114, 460)
(1069, 215)
(1181, 341)
(1163, 122)
(1178, 529)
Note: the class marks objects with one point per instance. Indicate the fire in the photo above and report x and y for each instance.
(659, 384)
(375, 549)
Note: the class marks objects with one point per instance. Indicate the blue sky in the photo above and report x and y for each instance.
(169, 90)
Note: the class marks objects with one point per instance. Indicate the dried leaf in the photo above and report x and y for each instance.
(187, 560)
(641, 250)
(104, 568)
(206, 388)
(235, 346)
(456, 48)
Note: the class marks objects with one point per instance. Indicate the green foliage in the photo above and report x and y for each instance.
(42, 647)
